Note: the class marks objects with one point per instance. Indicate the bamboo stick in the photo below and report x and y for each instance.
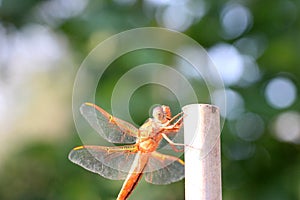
(202, 154)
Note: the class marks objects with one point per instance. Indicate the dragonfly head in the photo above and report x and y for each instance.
(162, 113)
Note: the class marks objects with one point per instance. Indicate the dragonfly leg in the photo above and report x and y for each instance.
(176, 126)
(175, 117)
(179, 122)
(173, 144)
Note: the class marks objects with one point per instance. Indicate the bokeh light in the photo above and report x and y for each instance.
(240, 150)
(251, 72)
(175, 17)
(286, 127)
(254, 45)
(280, 92)
(235, 20)
(179, 15)
(234, 103)
(249, 126)
(228, 61)
(234, 67)
(186, 67)
(56, 12)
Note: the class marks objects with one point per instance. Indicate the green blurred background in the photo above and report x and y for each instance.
(255, 45)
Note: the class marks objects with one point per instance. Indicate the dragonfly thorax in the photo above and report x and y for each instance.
(150, 129)
(148, 145)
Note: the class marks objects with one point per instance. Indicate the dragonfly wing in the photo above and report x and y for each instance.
(111, 128)
(110, 162)
(164, 169)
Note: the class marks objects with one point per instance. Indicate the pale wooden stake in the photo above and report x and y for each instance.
(202, 154)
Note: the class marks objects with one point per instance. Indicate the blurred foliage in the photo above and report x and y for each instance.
(266, 168)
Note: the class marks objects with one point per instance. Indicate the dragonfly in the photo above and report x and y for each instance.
(138, 156)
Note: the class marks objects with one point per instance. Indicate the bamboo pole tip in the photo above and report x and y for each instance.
(202, 162)
(213, 108)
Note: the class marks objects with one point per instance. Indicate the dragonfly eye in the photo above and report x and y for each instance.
(158, 114)
(162, 113)
(167, 112)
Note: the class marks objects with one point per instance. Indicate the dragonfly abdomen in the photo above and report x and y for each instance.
(134, 175)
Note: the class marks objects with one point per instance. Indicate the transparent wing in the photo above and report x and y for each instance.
(171, 170)
(110, 162)
(111, 128)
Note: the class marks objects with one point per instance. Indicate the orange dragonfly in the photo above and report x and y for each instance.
(139, 156)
